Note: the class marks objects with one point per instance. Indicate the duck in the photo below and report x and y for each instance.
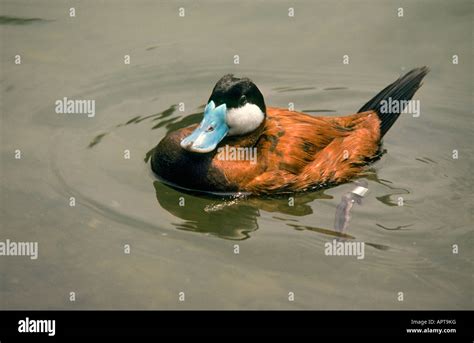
(243, 146)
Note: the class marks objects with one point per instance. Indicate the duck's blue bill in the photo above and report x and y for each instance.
(212, 129)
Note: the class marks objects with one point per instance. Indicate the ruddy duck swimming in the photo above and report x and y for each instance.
(292, 151)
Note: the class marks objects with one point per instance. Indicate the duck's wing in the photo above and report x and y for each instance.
(292, 140)
(302, 151)
(346, 155)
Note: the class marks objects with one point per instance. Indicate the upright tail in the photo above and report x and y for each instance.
(402, 89)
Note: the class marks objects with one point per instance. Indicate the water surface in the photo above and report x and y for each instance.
(191, 248)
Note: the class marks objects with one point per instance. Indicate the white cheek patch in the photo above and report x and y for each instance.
(244, 119)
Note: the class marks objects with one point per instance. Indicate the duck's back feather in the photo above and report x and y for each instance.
(302, 152)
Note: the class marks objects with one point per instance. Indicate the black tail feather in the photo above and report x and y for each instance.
(402, 89)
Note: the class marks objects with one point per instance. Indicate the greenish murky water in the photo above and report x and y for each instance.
(191, 248)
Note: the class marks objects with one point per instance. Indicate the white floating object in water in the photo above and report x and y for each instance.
(359, 190)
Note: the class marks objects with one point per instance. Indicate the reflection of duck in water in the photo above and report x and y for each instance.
(198, 215)
(230, 218)
(294, 151)
(237, 218)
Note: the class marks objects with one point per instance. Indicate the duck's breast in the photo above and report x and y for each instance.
(187, 169)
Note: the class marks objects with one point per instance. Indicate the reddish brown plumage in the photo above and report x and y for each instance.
(297, 152)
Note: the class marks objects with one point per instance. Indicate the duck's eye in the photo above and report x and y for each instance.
(242, 100)
(210, 129)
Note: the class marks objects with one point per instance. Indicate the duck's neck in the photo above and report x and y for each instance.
(247, 140)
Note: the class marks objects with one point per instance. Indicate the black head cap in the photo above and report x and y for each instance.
(236, 92)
